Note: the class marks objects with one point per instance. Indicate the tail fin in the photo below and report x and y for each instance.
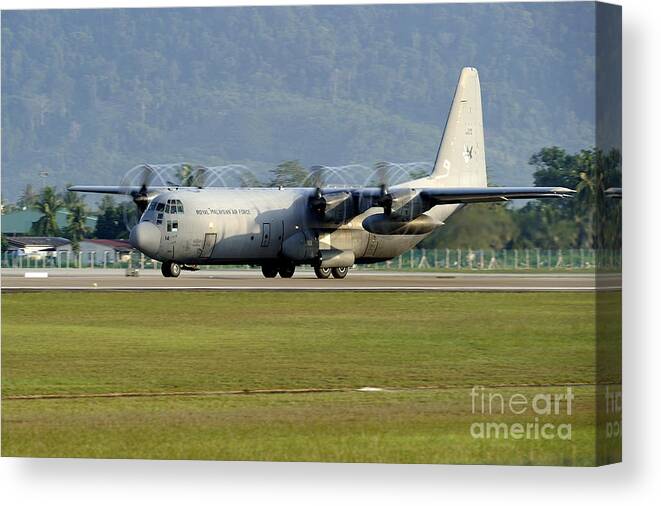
(460, 160)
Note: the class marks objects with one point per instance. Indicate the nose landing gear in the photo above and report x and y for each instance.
(170, 269)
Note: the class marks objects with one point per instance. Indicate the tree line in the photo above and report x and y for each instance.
(578, 222)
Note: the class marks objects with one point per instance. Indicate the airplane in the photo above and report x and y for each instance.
(330, 229)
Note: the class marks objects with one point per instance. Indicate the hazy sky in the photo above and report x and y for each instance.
(88, 94)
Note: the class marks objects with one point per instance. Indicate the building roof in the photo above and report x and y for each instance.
(117, 244)
(20, 222)
(24, 241)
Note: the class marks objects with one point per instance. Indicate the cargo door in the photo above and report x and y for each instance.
(207, 247)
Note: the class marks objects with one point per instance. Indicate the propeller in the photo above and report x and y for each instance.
(199, 176)
(142, 176)
(141, 197)
(385, 199)
(317, 201)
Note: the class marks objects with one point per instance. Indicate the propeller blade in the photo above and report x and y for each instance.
(385, 199)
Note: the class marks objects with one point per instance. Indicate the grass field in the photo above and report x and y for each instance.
(427, 350)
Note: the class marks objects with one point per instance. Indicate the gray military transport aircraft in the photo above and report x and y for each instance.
(330, 229)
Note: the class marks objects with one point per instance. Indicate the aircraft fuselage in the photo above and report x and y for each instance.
(231, 226)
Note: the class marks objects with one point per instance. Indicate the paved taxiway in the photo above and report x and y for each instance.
(248, 279)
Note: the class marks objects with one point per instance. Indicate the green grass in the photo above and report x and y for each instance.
(77, 343)
(407, 427)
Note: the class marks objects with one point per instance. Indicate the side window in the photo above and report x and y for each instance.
(160, 207)
(172, 225)
(159, 219)
(180, 207)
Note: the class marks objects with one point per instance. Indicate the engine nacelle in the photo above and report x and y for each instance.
(337, 258)
(387, 225)
(403, 204)
(336, 207)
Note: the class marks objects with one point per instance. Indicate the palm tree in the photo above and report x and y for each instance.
(48, 205)
(71, 199)
(77, 228)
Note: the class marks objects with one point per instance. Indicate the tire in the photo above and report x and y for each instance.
(270, 270)
(286, 270)
(165, 269)
(170, 269)
(322, 272)
(340, 272)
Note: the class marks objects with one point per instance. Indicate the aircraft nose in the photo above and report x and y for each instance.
(146, 237)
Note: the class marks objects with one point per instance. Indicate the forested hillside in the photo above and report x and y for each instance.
(88, 94)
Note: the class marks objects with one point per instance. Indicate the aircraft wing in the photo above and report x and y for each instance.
(405, 204)
(493, 194)
(116, 190)
(467, 195)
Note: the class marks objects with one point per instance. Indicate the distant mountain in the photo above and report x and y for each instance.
(88, 94)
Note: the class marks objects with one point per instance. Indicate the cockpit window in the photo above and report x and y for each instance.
(171, 206)
(174, 207)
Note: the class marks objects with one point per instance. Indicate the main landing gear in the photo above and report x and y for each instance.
(340, 272)
(326, 272)
(322, 272)
(270, 270)
(170, 269)
(285, 269)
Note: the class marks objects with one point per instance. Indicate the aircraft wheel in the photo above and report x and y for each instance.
(171, 269)
(287, 270)
(322, 272)
(270, 270)
(340, 272)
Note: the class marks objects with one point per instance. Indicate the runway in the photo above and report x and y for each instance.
(303, 280)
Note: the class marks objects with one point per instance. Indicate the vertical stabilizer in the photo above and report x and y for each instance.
(460, 161)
